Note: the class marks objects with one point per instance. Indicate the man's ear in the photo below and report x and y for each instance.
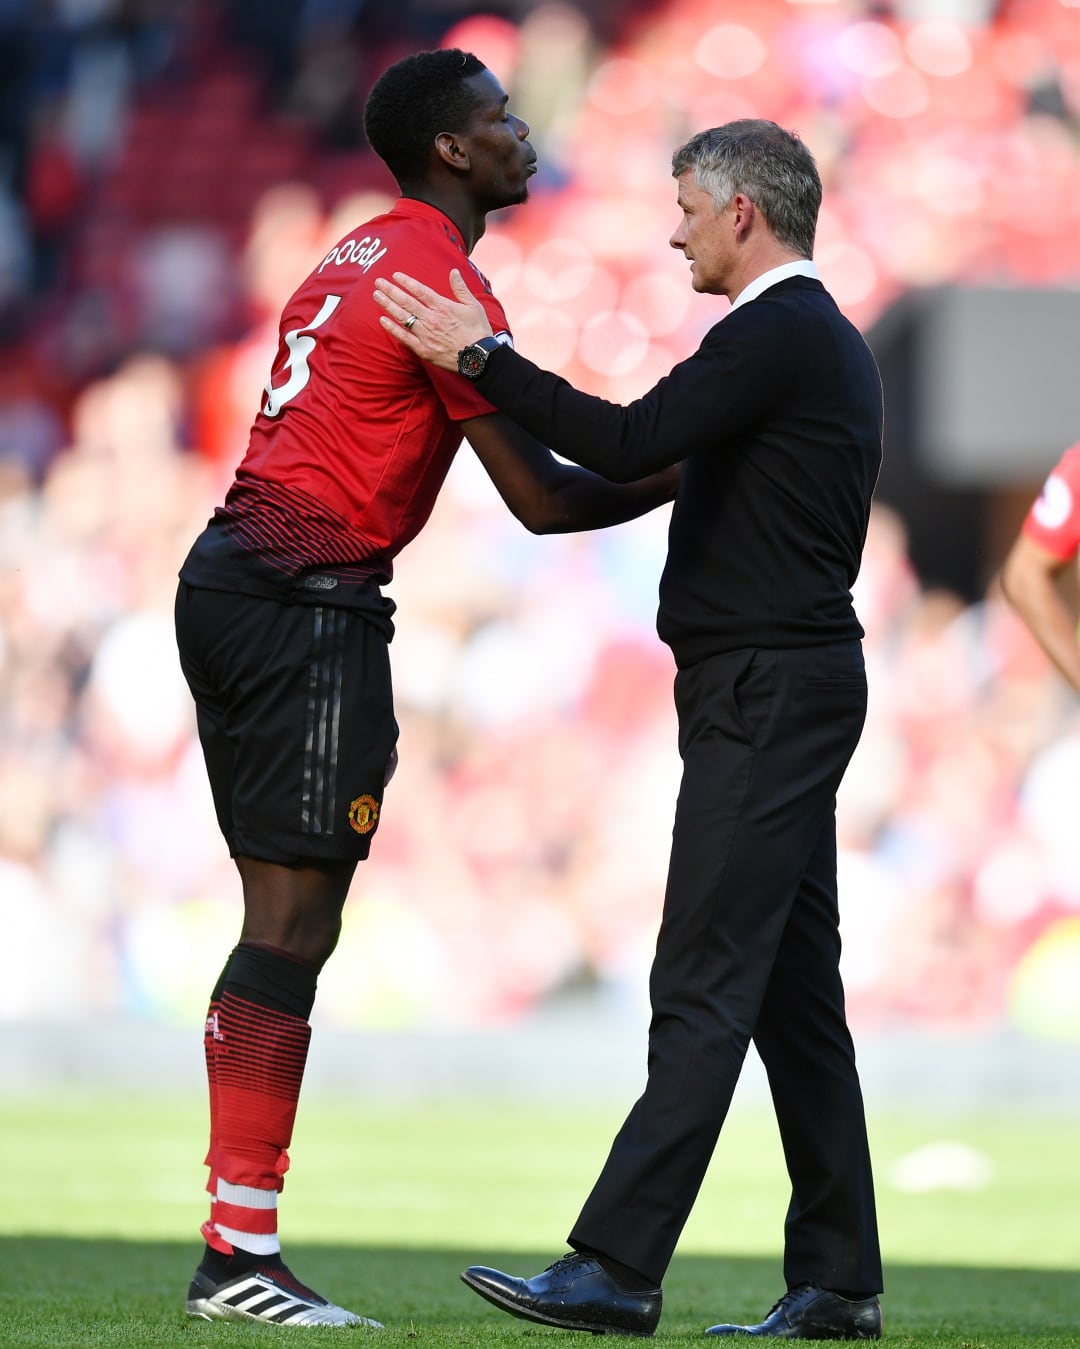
(745, 211)
(451, 151)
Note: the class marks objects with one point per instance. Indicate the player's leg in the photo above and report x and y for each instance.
(296, 722)
(257, 1036)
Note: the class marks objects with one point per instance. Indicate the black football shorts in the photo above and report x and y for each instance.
(295, 713)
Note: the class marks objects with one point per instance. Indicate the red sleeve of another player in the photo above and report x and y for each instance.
(1053, 522)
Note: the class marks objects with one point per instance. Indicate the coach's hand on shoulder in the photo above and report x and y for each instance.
(434, 326)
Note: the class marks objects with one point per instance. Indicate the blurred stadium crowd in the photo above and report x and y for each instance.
(169, 171)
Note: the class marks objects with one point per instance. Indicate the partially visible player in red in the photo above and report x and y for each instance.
(1047, 544)
(283, 629)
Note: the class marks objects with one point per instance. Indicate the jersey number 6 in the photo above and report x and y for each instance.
(300, 348)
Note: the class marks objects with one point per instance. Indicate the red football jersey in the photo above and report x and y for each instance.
(1053, 522)
(354, 435)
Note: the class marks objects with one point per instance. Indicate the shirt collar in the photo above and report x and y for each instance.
(802, 267)
(422, 210)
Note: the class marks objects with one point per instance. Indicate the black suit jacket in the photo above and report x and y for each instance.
(777, 418)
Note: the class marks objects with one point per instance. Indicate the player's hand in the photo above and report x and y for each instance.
(434, 326)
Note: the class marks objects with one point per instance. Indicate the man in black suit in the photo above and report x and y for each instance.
(777, 420)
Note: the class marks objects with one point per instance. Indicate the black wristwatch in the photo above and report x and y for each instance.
(471, 360)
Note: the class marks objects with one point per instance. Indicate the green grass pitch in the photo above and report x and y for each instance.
(101, 1199)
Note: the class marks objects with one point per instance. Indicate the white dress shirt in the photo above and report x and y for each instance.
(802, 267)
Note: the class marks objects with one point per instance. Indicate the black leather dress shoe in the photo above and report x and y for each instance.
(812, 1313)
(574, 1293)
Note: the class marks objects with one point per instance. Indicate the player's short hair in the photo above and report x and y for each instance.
(412, 101)
(771, 166)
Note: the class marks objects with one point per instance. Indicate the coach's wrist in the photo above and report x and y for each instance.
(473, 359)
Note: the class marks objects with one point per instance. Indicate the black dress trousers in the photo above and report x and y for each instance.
(749, 948)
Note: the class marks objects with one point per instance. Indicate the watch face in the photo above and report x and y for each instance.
(471, 361)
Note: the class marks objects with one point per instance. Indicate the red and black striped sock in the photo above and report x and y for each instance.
(256, 1044)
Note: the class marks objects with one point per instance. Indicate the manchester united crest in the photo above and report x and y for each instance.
(363, 813)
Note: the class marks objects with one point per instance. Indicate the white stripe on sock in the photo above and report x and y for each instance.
(247, 1196)
(256, 1242)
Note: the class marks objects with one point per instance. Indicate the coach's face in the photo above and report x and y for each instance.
(706, 237)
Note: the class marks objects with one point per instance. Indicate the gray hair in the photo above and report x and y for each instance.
(769, 165)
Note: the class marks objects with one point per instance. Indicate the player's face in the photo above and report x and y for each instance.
(501, 160)
(706, 238)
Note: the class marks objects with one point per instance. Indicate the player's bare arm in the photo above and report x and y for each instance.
(547, 496)
(1030, 579)
(550, 497)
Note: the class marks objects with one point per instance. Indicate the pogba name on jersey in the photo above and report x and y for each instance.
(364, 252)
